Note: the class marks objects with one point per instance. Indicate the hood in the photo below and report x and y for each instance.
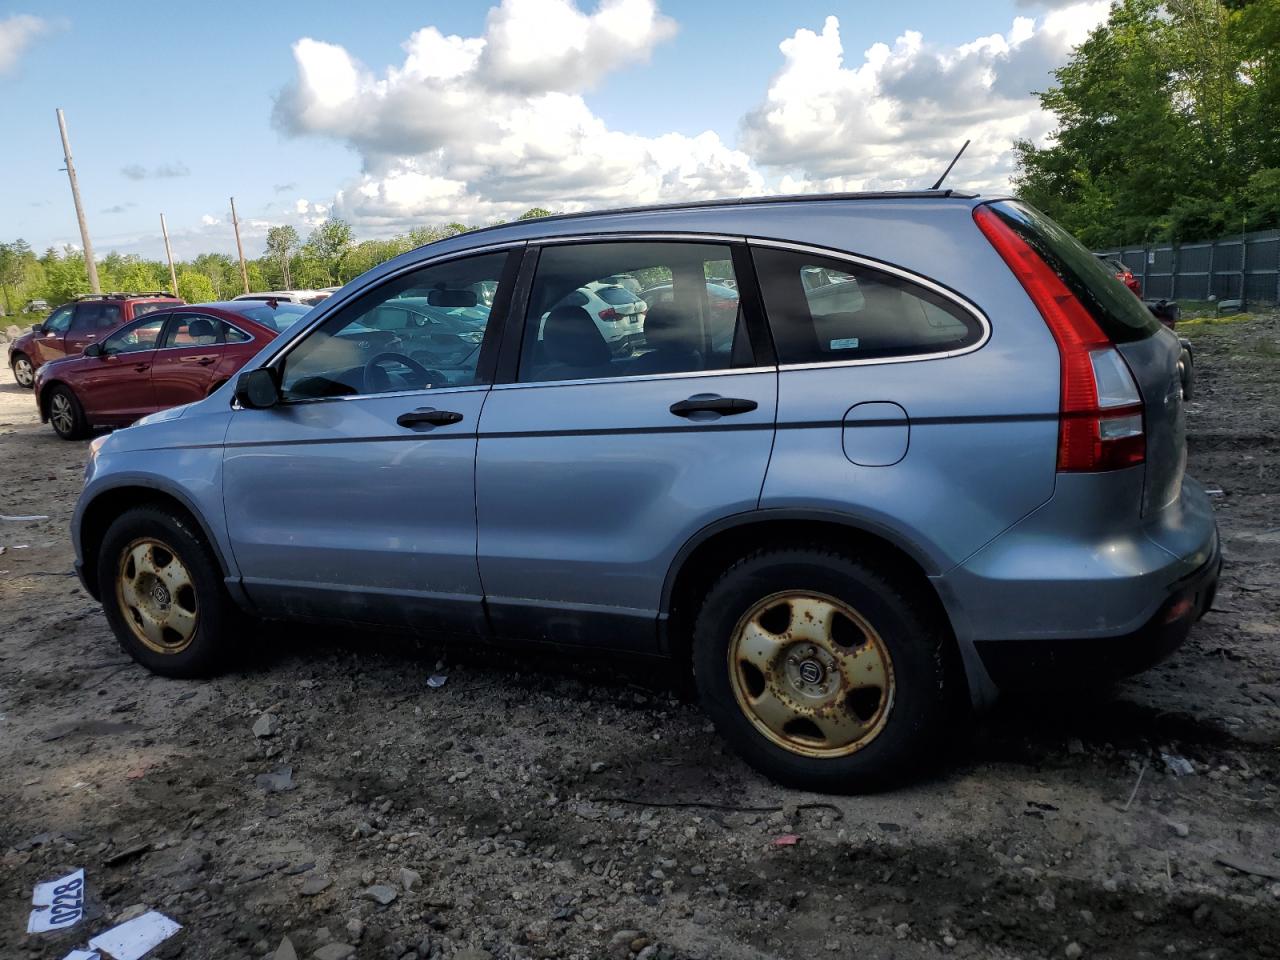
(22, 342)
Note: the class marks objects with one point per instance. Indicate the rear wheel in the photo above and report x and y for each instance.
(23, 371)
(823, 673)
(162, 593)
(66, 414)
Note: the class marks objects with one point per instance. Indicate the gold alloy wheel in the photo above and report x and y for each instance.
(811, 674)
(157, 596)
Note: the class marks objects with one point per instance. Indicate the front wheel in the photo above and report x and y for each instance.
(23, 371)
(822, 672)
(162, 593)
(66, 414)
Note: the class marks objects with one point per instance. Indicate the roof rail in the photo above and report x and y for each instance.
(118, 295)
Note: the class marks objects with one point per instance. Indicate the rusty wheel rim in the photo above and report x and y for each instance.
(811, 674)
(157, 596)
(22, 372)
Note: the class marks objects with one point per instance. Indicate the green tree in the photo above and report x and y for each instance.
(14, 258)
(534, 212)
(195, 287)
(281, 242)
(330, 242)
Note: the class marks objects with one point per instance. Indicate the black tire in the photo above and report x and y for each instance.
(217, 620)
(65, 413)
(23, 372)
(923, 677)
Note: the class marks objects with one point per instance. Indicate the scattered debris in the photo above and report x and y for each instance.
(23, 518)
(285, 951)
(83, 955)
(786, 840)
(279, 780)
(1137, 783)
(315, 884)
(134, 938)
(437, 680)
(1248, 866)
(1178, 766)
(267, 725)
(380, 893)
(128, 853)
(59, 903)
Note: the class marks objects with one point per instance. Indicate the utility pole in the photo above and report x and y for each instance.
(91, 267)
(235, 222)
(173, 275)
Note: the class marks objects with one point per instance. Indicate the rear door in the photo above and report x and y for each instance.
(190, 354)
(594, 468)
(116, 388)
(94, 319)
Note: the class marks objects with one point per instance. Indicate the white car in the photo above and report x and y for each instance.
(617, 312)
(308, 297)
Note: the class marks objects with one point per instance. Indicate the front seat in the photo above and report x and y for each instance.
(672, 341)
(202, 331)
(572, 347)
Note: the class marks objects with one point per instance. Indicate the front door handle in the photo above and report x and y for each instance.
(428, 415)
(141, 366)
(727, 406)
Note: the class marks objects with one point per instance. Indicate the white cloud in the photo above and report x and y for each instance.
(16, 34)
(482, 127)
(896, 118)
(209, 220)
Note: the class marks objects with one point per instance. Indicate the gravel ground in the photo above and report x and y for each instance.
(534, 807)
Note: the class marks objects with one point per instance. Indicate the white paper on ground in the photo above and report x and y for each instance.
(30, 517)
(82, 955)
(59, 904)
(135, 937)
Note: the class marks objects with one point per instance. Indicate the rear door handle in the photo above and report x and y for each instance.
(428, 415)
(727, 406)
(203, 361)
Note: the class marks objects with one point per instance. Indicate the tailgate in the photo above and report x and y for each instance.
(1154, 364)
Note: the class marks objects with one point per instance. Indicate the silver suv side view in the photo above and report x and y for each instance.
(866, 461)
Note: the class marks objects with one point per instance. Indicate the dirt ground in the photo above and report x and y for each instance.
(531, 807)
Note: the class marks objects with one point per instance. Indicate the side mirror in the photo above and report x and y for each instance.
(93, 350)
(257, 389)
(37, 328)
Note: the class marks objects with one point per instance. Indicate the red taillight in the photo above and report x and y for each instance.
(1101, 415)
(609, 314)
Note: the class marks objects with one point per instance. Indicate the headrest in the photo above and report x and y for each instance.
(200, 327)
(570, 337)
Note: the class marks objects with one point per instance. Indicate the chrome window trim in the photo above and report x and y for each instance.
(391, 394)
(635, 378)
(910, 277)
(640, 237)
(327, 308)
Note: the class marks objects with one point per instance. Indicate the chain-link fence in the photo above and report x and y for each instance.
(1244, 267)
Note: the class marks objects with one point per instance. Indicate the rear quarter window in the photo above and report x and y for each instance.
(1113, 306)
(824, 310)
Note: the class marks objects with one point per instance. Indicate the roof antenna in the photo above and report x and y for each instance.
(949, 166)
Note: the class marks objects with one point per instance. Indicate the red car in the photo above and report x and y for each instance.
(73, 326)
(166, 358)
(1123, 274)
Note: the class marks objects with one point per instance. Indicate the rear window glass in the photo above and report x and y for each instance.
(142, 309)
(615, 295)
(824, 310)
(279, 317)
(1113, 306)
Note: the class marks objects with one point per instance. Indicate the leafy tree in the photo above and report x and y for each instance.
(281, 242)
(534, 212)
(330, 242)
(13, 266)
(195, 287)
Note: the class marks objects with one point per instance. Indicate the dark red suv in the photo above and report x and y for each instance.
(73, 326)
(162, 359)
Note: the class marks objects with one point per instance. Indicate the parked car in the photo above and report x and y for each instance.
(73, 326)
(162, 359)
(1123, 274)
(36, 306)
(617, 313)
(307, 297)
(854, 524)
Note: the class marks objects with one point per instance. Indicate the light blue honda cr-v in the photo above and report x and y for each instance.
(861, 460)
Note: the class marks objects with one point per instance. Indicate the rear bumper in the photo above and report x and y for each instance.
(1086, 576)
(1010, 663)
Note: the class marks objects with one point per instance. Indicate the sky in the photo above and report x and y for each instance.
(413, 114)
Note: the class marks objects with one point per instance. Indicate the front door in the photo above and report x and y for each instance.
(354, 498)
(50, 342)
(594, 467)
(116, 388)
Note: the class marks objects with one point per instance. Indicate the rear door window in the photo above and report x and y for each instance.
(97, 316)
(824, 310)
(1113, 306)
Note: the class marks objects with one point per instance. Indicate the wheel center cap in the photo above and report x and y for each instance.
(811, 671)
(160, 595)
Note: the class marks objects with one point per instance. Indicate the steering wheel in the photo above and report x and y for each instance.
(377, 380)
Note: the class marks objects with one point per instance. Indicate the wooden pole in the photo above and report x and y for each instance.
(235, 222)
(168, 252)
(90, 265)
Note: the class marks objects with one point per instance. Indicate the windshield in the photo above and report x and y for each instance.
(279, 318)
